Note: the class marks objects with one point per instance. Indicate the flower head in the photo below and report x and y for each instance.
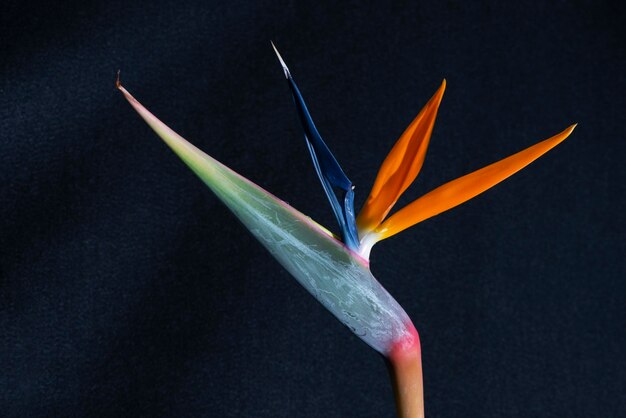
(397, 172)
(336, 272)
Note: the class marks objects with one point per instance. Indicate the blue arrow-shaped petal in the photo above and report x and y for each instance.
(328, 169)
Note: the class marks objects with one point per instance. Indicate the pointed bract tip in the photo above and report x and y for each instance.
(127, 95)
(282, 62)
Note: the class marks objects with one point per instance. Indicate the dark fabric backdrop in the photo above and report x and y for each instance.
(127, 289)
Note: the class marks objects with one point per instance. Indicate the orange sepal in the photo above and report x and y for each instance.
(401, 166)
(464, 188)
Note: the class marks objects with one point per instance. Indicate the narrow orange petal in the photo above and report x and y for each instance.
(401, 165)
(464, 188)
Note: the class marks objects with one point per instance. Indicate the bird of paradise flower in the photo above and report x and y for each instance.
(335, 269)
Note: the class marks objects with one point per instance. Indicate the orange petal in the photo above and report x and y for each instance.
(464, 188)
(401, 165)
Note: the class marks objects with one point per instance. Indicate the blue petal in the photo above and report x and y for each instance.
(328, 169)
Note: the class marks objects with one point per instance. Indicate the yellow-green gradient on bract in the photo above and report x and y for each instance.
(337, 277)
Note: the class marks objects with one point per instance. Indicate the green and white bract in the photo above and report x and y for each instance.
(337, 277)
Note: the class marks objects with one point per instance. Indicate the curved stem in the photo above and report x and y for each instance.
(405, 368)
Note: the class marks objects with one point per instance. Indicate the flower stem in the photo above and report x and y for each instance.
(405, 369)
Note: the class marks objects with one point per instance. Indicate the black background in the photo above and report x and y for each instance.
(127, 289)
